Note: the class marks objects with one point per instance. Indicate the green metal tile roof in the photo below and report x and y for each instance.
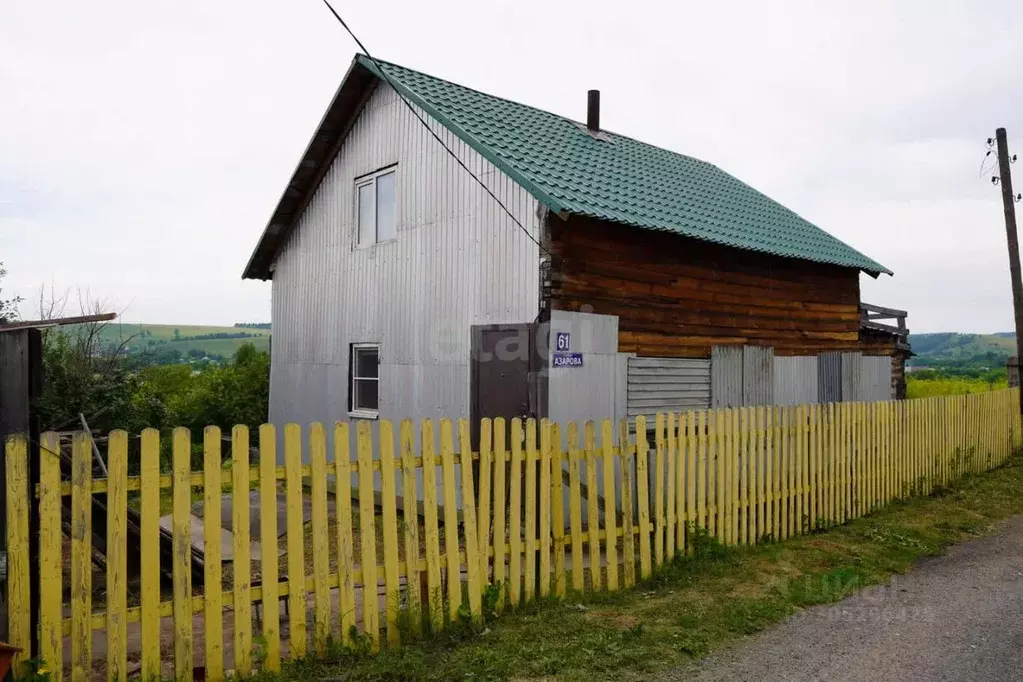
(620, 179)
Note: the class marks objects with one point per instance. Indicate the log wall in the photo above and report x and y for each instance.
(676, 296)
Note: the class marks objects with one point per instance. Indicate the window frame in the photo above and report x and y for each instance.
(353, 410)
(370, 180)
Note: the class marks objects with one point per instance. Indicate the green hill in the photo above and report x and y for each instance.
(166, 343)
(954, 349)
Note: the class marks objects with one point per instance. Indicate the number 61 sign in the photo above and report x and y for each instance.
(563, 341)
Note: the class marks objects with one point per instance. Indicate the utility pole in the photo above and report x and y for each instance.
(1009, 205)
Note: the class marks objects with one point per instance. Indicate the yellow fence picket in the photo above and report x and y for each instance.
(674, 492)
(472, 574)
(242, 564)
(628, 528)
(320, 534)
(19, 611)
(434, 588)
(410, 517)
(743, 464)
(51, 636)
(575, 507)
(760, 457)
(732, 453)
(610, 525)
(529, 512)
(149, 566)
(453, 562)
(558, 511)
(690, 458)
(703, 469)
(270, 614)
(660, 447)
(389, 526)
(643, 496)
(296, 541)
(213, 606)
(483, 517)
(545, 507)
(515, 515)
(117, 556)
(592, 506)
(181, 492)
(500, 509)
(717, 442)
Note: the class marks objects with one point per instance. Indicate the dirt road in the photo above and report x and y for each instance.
(954, 617)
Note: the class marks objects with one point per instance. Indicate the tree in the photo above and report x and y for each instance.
(8, 307)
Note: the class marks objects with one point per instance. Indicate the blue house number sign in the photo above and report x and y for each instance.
(562, 358)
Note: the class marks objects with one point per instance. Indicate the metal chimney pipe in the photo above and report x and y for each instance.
(593, 110)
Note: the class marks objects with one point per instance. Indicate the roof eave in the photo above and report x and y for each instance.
(316, 159)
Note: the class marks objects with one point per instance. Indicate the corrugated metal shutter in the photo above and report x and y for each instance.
(795, 380)
(876, 377)
(829, 377)
(852, 377)
(726, 376)
(757, 375)
(662, 384)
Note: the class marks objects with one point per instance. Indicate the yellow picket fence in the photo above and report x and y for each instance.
(538, 508)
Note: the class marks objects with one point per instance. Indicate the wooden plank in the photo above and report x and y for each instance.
(529, 511)
(213, 607)
(320, 534)
(628, 529)
(500, 510)
(545, 507)
(785, 470)
(454, 577)
(268, 570)
(149, 541)
(592, 507)
(702, 469)
(744, 462)
(515, 515)
(18, 568)
(296, 543)
(483, 518)
(610, 524)
(733, 478)
(575, 507)
(691, 471)
(659, 521)
(410, 517)
(643, 496)
(51, 637)
(720, 473)
(117, 556)
(367, 534)
(389, 522)
(676, 481)
(759, 455)
(558, 511)
(182, 549)
(777, 462)
(242, 564)
(435, 592)
(472, 573)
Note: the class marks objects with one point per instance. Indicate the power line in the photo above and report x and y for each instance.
(432, 131)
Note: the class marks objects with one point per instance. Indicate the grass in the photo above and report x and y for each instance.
(693, 605)
(928, 388)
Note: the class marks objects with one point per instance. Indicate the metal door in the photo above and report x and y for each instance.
(503, 373)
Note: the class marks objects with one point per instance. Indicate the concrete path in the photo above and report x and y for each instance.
(954, 617)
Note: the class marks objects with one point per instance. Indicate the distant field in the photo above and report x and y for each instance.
(143, 337)
(953, 346)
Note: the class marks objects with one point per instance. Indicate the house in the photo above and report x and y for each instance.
(590, 275)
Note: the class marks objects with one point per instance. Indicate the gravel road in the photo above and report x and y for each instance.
(954, 617)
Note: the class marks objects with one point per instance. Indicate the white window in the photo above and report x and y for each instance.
(364, 393)
(375, 210)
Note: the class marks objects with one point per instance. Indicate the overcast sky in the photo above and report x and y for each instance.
(143, 145)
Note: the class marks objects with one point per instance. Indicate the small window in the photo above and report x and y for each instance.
(364, 393)
(376, 212)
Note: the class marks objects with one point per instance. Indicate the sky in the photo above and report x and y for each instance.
(144, 145)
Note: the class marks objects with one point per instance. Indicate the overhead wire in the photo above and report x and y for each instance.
(432, 132)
